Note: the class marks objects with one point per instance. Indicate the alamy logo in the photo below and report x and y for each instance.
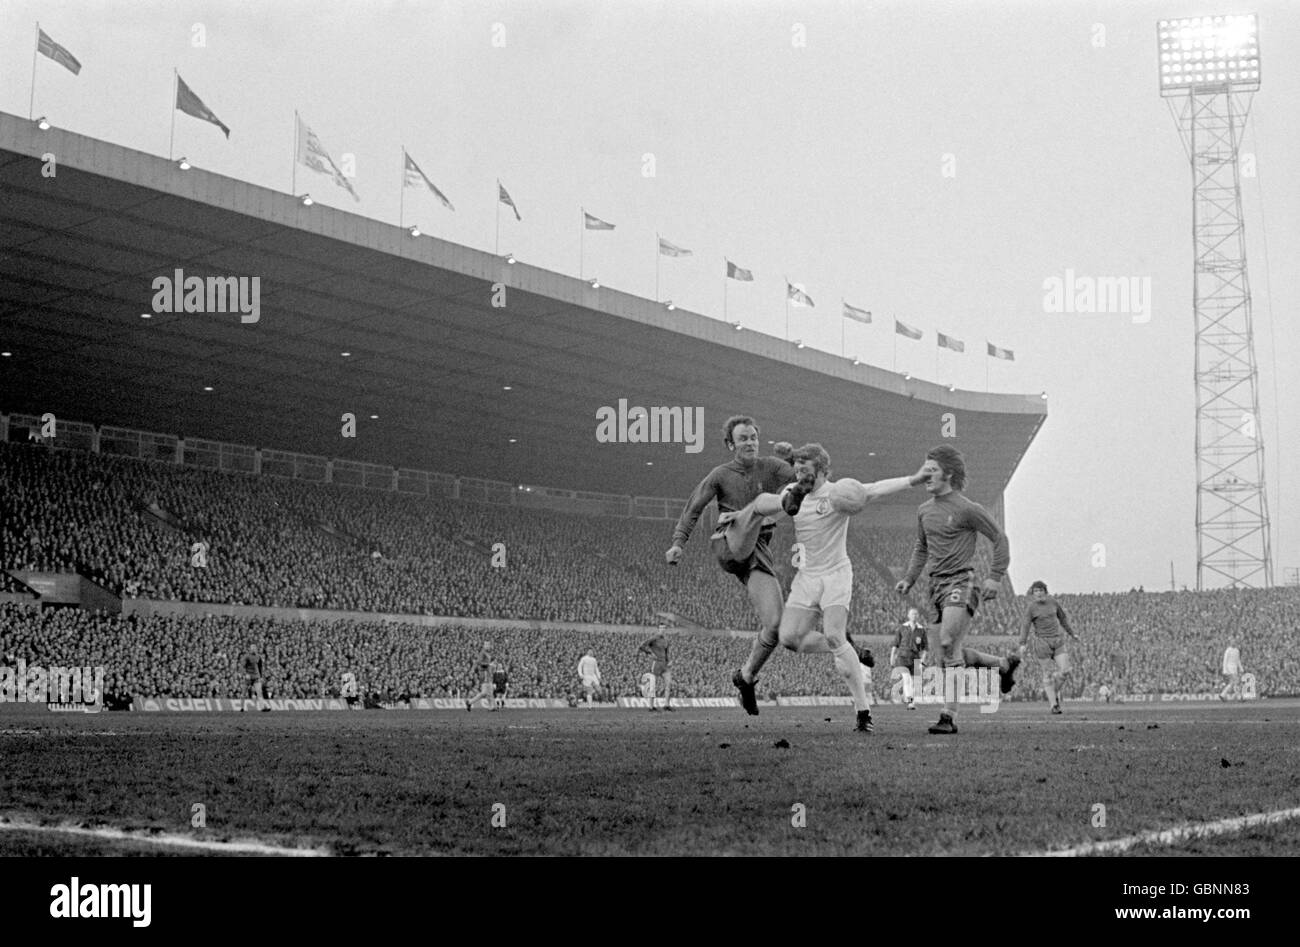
(63, 688)
(981, 686)
(638, 425)
(181, 293)
(78, 900)
(1125, 294)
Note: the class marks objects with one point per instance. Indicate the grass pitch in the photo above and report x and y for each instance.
(627, 782)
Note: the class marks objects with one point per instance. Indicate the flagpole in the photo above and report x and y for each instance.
(843, 347)
(31, 104)
(724, 290)
(401, 197)
(171, 143)
(293, 187)
(986, 366)
(895, 345)
(656, 266)
(581, 237)
(498, 202)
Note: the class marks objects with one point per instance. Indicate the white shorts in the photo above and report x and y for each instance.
(590, 683)
(823, 591)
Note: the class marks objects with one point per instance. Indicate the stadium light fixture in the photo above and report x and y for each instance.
(146, 315)
(43, 123)
(306, 200)
(183, 163)
(506, 388)
(374, 417)
(952, 387)
(5, 354)
(670, 305)
(798, 343)
(649, 463)
(856, 360)
(1209, 54)
(510, 258)
(907, 376)
(413, 230)
(513, 440)
(1043, 396)
(207, 387)
(871, 453)
(738, 326)
(595, 284)
(346, 354)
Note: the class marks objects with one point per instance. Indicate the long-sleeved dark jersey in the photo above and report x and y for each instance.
(1046, 618)
(946, 529)
(734, 486)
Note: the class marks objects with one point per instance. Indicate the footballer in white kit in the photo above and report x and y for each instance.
(824, 583)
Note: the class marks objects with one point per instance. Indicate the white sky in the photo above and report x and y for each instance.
(822, 162)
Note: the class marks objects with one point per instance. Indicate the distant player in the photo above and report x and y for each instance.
(589, 673)
(1232, 671)
(947, 528)
(500, 682)
(657, 648)
(1049, 624)
(824, 583)
(909, 650)
(482, 678)
(348, 689)
(256, 678)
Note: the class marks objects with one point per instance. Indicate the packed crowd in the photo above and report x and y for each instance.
(1132, 643)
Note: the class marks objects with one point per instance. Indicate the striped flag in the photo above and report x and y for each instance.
(504, 197)
(595, 223)
(669, 249)
(191, 104)
(414, 177)
(47, 47)
(856, 314)
(313, 154)
(903, 329)
(1005, 354)
(948, 342)
(739, 273)
(797, 295)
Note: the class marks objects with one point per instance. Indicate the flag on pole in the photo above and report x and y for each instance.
(504, 197)
(797, 295)
(948, 342)
(414, 176)
(669, 249)
(906, 330)
(47, 47)
(739, 273)
(313, 154)
(1005, 354)
(191, 104)
(595, 223)
(856, 314)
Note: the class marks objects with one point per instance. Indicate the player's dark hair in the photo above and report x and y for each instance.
(783, 450)
(731, 424)
(1039, 584)
(821, 460)
(951, 462)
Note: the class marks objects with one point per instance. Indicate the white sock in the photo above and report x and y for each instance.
(850, 668)
(908, 685)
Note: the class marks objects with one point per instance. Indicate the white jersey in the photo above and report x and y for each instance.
(1231, 661)
(588, 670)
(823, 532)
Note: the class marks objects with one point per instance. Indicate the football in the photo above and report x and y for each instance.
(848, 496)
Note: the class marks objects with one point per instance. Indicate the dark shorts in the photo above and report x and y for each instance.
(759, 561)
(499, 688)
(950, 593)
(1045, 649)
(659, 668)
(905, 660)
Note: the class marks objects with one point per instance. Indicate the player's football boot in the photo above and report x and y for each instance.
(1009, 675)
(865, 723)
(669, 707)
(1056, 708)
(945, 724)
(911, 704)
(654, 709)
(792, 496)
(748, 699)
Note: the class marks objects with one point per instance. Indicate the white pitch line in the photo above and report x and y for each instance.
(166, 841)
(1170, 836)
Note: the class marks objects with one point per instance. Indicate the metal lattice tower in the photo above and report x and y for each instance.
(1210, 107)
